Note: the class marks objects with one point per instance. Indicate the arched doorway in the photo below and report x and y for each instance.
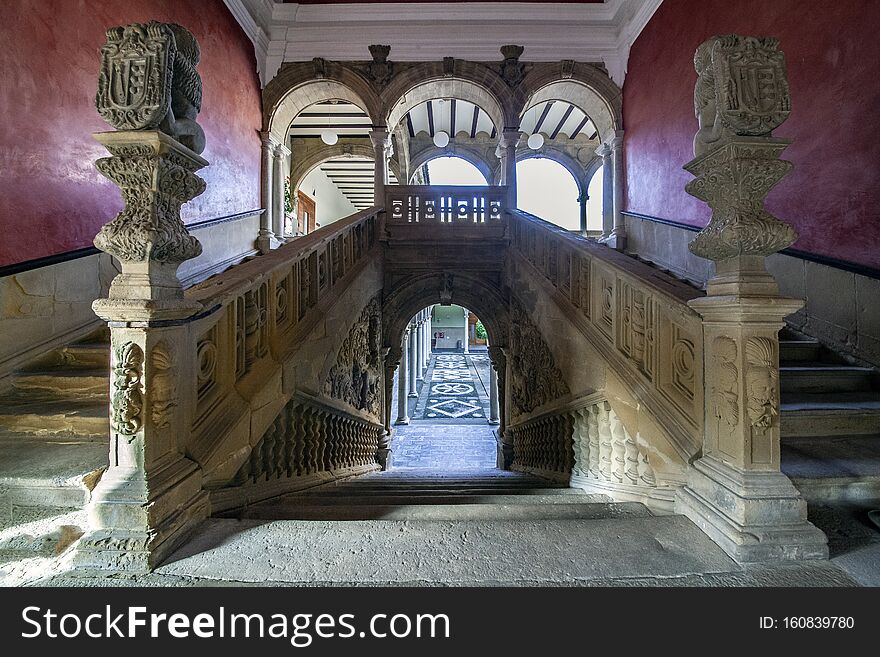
(453, 170)
(445, 393)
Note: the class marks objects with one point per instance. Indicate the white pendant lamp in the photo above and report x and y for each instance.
(441, 139)
(535, 141)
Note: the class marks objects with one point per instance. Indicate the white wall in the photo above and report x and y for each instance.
(330, 204)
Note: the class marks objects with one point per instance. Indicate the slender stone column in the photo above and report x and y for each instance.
(736, 492)
(412, 354)
(582, 200)
(467, 315)
(382, 151)
(507, 142)
(428, 337)
(493, 396)
(419, 350)
(279, 179)
(402, 411)
(604, 151)
(617, 238)
(266, 236)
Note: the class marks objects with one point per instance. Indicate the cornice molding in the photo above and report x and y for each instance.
(291, 32)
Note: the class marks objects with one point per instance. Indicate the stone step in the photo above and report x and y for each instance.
(824, 377)
(44, 414)
(295, 500)
(510, 509)
(442, 483)
(800, 350)
(41, 478)
(825, 414)
(64, 381)
(89, 355)
(435, 491)
(835, 469)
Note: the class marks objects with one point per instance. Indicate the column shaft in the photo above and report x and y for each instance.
(466, 329)
(402, 412)
(265, 235)
(493, 395)
(413, 361)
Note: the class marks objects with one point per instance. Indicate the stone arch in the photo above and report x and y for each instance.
(475, 83)
(304, 165)
(487, 299)
(587, 88)
(296, 87)
(456, 150)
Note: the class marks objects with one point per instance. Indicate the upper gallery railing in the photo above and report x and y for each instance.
(453, 205)
(637, 317)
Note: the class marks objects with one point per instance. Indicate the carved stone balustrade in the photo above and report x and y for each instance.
(445, 212)
(636, 317)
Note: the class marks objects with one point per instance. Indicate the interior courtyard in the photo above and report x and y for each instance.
(439, 294)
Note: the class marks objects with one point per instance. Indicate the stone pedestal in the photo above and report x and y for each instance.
(151, 495)
(736, 492)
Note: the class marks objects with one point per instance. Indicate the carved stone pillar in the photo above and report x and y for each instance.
(604, 151)
(507, 143)
(736, 492)
(266, 236)
(413, 359)
(382, 148)
(402, 411)
(498, 361)
(279, 179)
(428, 338)
(151, 495)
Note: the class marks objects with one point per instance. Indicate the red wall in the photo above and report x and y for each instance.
(52, 199)
(833, 53)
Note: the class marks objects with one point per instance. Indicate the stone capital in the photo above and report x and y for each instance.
(616, 142)
(509, 138)
(380, 138)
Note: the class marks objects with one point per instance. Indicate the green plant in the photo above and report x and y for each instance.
(480, 331)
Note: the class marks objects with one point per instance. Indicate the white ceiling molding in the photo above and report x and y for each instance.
(290, 32)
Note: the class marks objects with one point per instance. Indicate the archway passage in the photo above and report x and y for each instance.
(444, 394)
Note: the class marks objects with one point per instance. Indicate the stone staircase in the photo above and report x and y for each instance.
(830, 423)
(53, 445)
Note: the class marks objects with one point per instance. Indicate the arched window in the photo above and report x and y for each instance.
(453, 171)
(547, 189)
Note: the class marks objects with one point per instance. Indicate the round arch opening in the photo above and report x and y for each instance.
(547, 189)
(452, 170)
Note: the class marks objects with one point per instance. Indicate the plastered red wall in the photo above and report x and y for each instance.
(52, 199)
(833, 54)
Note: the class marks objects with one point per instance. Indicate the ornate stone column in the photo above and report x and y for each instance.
(498, 361)
(507, 142)
(151, 495)
(383, 449)
(413, 359)
(467, 315)
(736, 492)
(381, 139)
(402, 411)
(266, 236)
(428, 337)
(604, 151)
(279, 178)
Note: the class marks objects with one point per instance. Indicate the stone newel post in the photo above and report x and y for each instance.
(151, 494)
(736, 492)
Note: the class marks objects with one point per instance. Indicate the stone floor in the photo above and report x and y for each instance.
(448, 426)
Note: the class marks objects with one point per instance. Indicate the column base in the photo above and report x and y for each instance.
(401, 420)
(753, 516)
(615, 241)
(267, 241)
(139, 523)
(383, 458)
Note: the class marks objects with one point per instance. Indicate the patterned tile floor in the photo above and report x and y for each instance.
(448, 420)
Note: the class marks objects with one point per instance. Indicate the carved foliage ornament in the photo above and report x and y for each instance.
(149, 81)
(354, 378)
(154, 186)
(512, 71)
(127, 404)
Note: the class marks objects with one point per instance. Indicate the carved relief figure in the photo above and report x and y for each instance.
(163, 385)
(536, 379)
(354, 378)
(511, 69)
(380, 69)
(762, 382)
(725, 384)
(127, 404)
(148, 81)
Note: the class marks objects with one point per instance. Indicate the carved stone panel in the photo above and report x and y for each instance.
(355, 377)
(127, 402)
